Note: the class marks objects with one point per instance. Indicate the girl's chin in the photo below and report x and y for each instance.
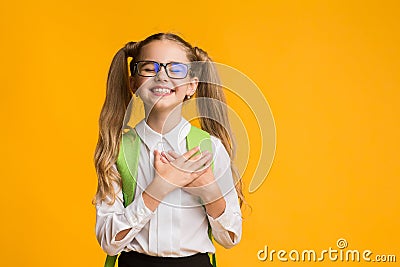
(166, 104)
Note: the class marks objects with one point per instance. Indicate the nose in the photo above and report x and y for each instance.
(161, 74)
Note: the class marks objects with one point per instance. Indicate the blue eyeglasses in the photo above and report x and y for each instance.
(148, 68)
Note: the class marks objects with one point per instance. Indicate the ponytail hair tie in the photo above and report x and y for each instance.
(130, 49)
(201, 54)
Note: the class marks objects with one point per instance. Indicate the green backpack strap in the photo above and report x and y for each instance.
(127, 165)
(110, 261)
(199, 137)
(128, 162)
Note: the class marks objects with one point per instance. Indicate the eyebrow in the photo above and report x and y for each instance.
(180, 61)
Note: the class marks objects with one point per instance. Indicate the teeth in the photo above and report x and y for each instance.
(162, 90)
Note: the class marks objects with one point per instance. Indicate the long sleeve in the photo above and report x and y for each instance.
(231, 219)
(178, 227)
(111, 219)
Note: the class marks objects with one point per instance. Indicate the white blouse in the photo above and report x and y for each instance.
(179, 225)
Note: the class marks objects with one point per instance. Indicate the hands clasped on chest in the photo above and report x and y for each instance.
(191, 171)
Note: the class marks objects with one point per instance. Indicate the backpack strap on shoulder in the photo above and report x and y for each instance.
(199, 137)
(127, 165)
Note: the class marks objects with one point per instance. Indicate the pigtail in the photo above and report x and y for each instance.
(214, 118)
(118, 96)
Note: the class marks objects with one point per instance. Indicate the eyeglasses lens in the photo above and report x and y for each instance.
(174, 70)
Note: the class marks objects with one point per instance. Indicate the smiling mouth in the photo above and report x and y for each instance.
(162, 91)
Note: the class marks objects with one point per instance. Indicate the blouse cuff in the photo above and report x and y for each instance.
(137, 213)
(227, 221)
(221, 223)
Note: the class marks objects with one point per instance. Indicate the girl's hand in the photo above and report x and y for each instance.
(204, 186)
(173, 173)
(181, 170)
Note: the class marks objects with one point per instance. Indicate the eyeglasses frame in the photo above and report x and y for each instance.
(136, 69)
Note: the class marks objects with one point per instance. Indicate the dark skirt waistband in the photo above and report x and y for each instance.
(133, 258)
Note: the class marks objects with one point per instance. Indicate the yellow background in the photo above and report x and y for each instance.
(329, 70)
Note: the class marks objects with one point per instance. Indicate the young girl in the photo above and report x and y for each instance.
(178, 194)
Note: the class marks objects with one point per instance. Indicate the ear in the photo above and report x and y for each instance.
(132, 84)
(192, 86)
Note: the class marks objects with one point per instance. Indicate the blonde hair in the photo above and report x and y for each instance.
(118, 96)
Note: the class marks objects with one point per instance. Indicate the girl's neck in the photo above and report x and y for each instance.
(163, 122)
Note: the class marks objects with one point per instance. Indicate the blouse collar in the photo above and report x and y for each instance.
(154, 140)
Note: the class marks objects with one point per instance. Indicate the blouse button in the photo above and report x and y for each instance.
(160, 146)
(141, 212)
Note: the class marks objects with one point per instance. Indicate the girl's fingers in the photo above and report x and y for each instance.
(190, 153)
(186, 156)
(167, 156)
(157, 155)
(200, 172)
(157, 158)
(173, 154)
(160, 157)
(164, 159)
(195, 158)
(188, 162)
(204, 160)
